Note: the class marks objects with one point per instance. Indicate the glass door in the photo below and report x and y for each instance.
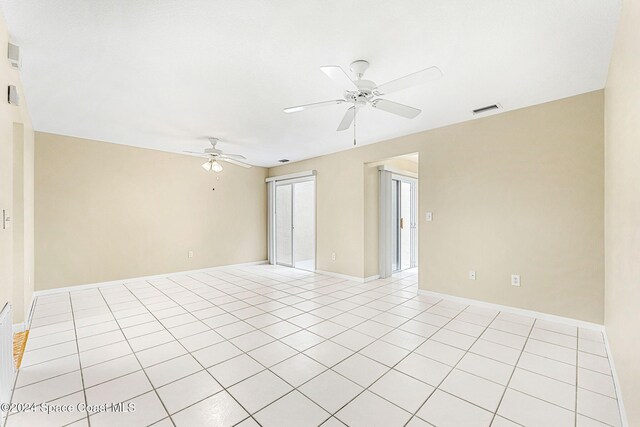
(304, 229)
(284, 225)
(295, 224)
(403, 219)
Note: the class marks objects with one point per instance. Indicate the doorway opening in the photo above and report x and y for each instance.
(393, 193)
(292, 209)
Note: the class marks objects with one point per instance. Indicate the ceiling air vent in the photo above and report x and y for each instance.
(283, 160)
(487, 109)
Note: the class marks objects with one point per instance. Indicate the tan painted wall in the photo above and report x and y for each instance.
(514, 193)
(16, 192)
(107, 211)
(622, 207)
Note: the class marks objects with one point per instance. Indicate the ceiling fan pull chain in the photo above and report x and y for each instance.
(355, 113)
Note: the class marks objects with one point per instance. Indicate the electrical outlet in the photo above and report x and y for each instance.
(333, 256)
(515, 280)
(429, 216)
(472, 275)
(190, 254)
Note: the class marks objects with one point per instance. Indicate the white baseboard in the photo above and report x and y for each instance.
(19, 327)
(347, 277)
(135, 279)
(616, 383)
(520, 311)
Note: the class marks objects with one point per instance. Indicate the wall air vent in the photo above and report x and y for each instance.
(487, 109)
(283, 160)
(13, 54)
(12, 95)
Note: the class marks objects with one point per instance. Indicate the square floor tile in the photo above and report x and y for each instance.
(544, 388)
(548, 367)
(216, 353)
(119, 389)
(219, 410)
(106, 371)
(471, 388)
(369, 410)
(161, 353)
(486, 368)
(45, 370)
(424, 369)
(331, 390)
(443, 409)
(403, 390)
(148, 410)
(49, 389)
(302, 340)
(403, 339)
(328, 353)
(258, 391)
(235, 370)
(353, 340)
(298, 369)
(272, 353)
(441, 352)
(201, 340)
(361, 370)
(529, 411)
(251, 340)
(187, 391)
(293, 410)
(598, 407)
(173, 369)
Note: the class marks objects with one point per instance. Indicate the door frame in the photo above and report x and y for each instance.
(413, 214)
(290, 179)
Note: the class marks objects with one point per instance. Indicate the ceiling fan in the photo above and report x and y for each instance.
(362, 92)
(215, 155)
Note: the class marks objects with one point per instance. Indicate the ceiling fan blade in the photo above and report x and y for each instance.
(414, 79)
(347, 119)
(314, 105)
(395, 108)
(197, 154)
(233, 156)
(234, 162)
(338, 75)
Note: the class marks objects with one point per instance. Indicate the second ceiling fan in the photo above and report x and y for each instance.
(362, 92)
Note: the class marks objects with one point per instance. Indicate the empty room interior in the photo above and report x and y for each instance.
(417, 213)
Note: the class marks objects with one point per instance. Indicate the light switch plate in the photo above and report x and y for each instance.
(429, 216)
(472, 275)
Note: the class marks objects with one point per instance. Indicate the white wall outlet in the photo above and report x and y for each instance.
(472, 275)
(429, 216)
(515, 280)
(333, 256)
(190, 254)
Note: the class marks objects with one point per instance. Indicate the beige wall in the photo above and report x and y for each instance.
(107, 211)
(16, 192)
(514, 193)
(622, 207)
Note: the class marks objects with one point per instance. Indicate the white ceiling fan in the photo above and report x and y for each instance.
(215, 155)
(362, 92)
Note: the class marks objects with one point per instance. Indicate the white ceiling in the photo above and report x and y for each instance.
(166, 74)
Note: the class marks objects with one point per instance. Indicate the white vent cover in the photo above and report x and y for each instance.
(12, 95)
(13, 54)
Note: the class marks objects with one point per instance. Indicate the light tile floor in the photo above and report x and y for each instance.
(277, 347)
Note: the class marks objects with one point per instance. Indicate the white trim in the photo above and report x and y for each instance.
(519, 311)
(19, 327)
(135, 279)
(398, 172)
(616, 383)
(347, 277)
(291, 176)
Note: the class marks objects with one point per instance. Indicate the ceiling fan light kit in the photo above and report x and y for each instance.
(361, 92)
(215, 156)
